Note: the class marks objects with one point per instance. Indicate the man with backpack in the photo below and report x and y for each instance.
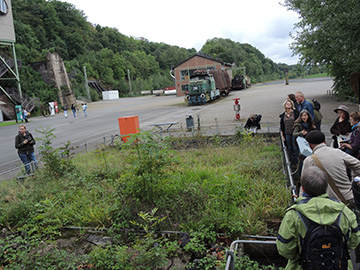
(317, 232)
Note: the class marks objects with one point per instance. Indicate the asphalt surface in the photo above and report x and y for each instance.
(265, 99)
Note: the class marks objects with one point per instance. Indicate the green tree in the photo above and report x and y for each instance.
(328, 34)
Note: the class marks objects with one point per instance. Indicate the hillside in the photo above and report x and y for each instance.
(52, 26)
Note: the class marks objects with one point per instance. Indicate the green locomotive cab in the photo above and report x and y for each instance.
(201, 89)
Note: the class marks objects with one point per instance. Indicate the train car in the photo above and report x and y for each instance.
(204, 87)
(239, 82)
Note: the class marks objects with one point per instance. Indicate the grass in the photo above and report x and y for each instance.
(320, 75)
(7, 123)
(225, 186)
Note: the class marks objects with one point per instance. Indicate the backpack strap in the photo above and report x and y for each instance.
(330, 180)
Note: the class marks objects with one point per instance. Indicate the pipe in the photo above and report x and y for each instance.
(172, 75)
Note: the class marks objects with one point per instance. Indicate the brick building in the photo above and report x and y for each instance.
(199, 61)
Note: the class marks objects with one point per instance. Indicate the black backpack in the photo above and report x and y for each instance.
(316, 105)
(324, 246)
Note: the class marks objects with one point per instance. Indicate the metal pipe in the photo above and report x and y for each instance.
(288, 169)
(232, 251)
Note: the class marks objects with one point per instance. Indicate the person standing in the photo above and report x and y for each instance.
(73, 108)
(65, 110)
(353, 147)
(303, 124)
(25, 142)
(303, 104)
(25, 115)
(335, 163)
(84, 107)
(341, 126)
(287, 119)
(315, 218)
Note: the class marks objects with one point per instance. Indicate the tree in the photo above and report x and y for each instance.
(328, 34)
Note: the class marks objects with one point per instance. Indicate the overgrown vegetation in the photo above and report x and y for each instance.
(226, 187)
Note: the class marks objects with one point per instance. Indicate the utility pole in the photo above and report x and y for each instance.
(129, 81)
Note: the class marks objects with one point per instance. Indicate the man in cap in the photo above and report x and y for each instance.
(334, 162)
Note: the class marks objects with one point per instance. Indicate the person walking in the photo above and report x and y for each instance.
(73, 108)
(25, 115)
(84, 107)
(335, 163)
(317, 220)
(65, 110)
(25, 142)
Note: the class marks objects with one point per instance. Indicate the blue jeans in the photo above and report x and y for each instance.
(26, 159)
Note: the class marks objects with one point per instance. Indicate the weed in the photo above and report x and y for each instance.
(54, 164)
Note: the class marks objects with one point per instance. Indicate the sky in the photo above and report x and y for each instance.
(264, 24)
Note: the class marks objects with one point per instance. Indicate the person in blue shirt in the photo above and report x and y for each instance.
(303, 104)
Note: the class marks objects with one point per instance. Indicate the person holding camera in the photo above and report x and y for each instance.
(25, 142)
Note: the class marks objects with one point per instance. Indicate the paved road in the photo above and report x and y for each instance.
(264, 99)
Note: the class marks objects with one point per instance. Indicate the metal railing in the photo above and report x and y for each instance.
(178, 131)
(231, 253)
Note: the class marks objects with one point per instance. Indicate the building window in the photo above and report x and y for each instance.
(184, 75)
(184, 87)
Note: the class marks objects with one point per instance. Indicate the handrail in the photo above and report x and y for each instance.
(288, 170)
(230, 254)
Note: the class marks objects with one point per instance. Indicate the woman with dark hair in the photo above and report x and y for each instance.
(292, 98)
(303, 125)
(353, 146)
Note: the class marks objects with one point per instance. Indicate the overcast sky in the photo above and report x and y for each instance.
(264, 24)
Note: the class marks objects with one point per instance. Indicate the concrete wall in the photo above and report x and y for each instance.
(53, 72)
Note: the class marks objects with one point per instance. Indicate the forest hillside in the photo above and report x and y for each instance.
(52, 26)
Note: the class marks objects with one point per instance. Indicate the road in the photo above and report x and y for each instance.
(102, 119)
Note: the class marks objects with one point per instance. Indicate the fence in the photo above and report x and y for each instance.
(266, 240)
(13, 172)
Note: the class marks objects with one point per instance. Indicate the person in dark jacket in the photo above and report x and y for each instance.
(25, 142)
(341, 126)
(73, 108)
(287, 119)
(353, 147)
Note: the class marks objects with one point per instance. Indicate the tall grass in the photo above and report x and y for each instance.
(237, 189)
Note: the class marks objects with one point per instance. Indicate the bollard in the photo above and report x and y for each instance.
(198, 118)
(217, 127)
(237, 108)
